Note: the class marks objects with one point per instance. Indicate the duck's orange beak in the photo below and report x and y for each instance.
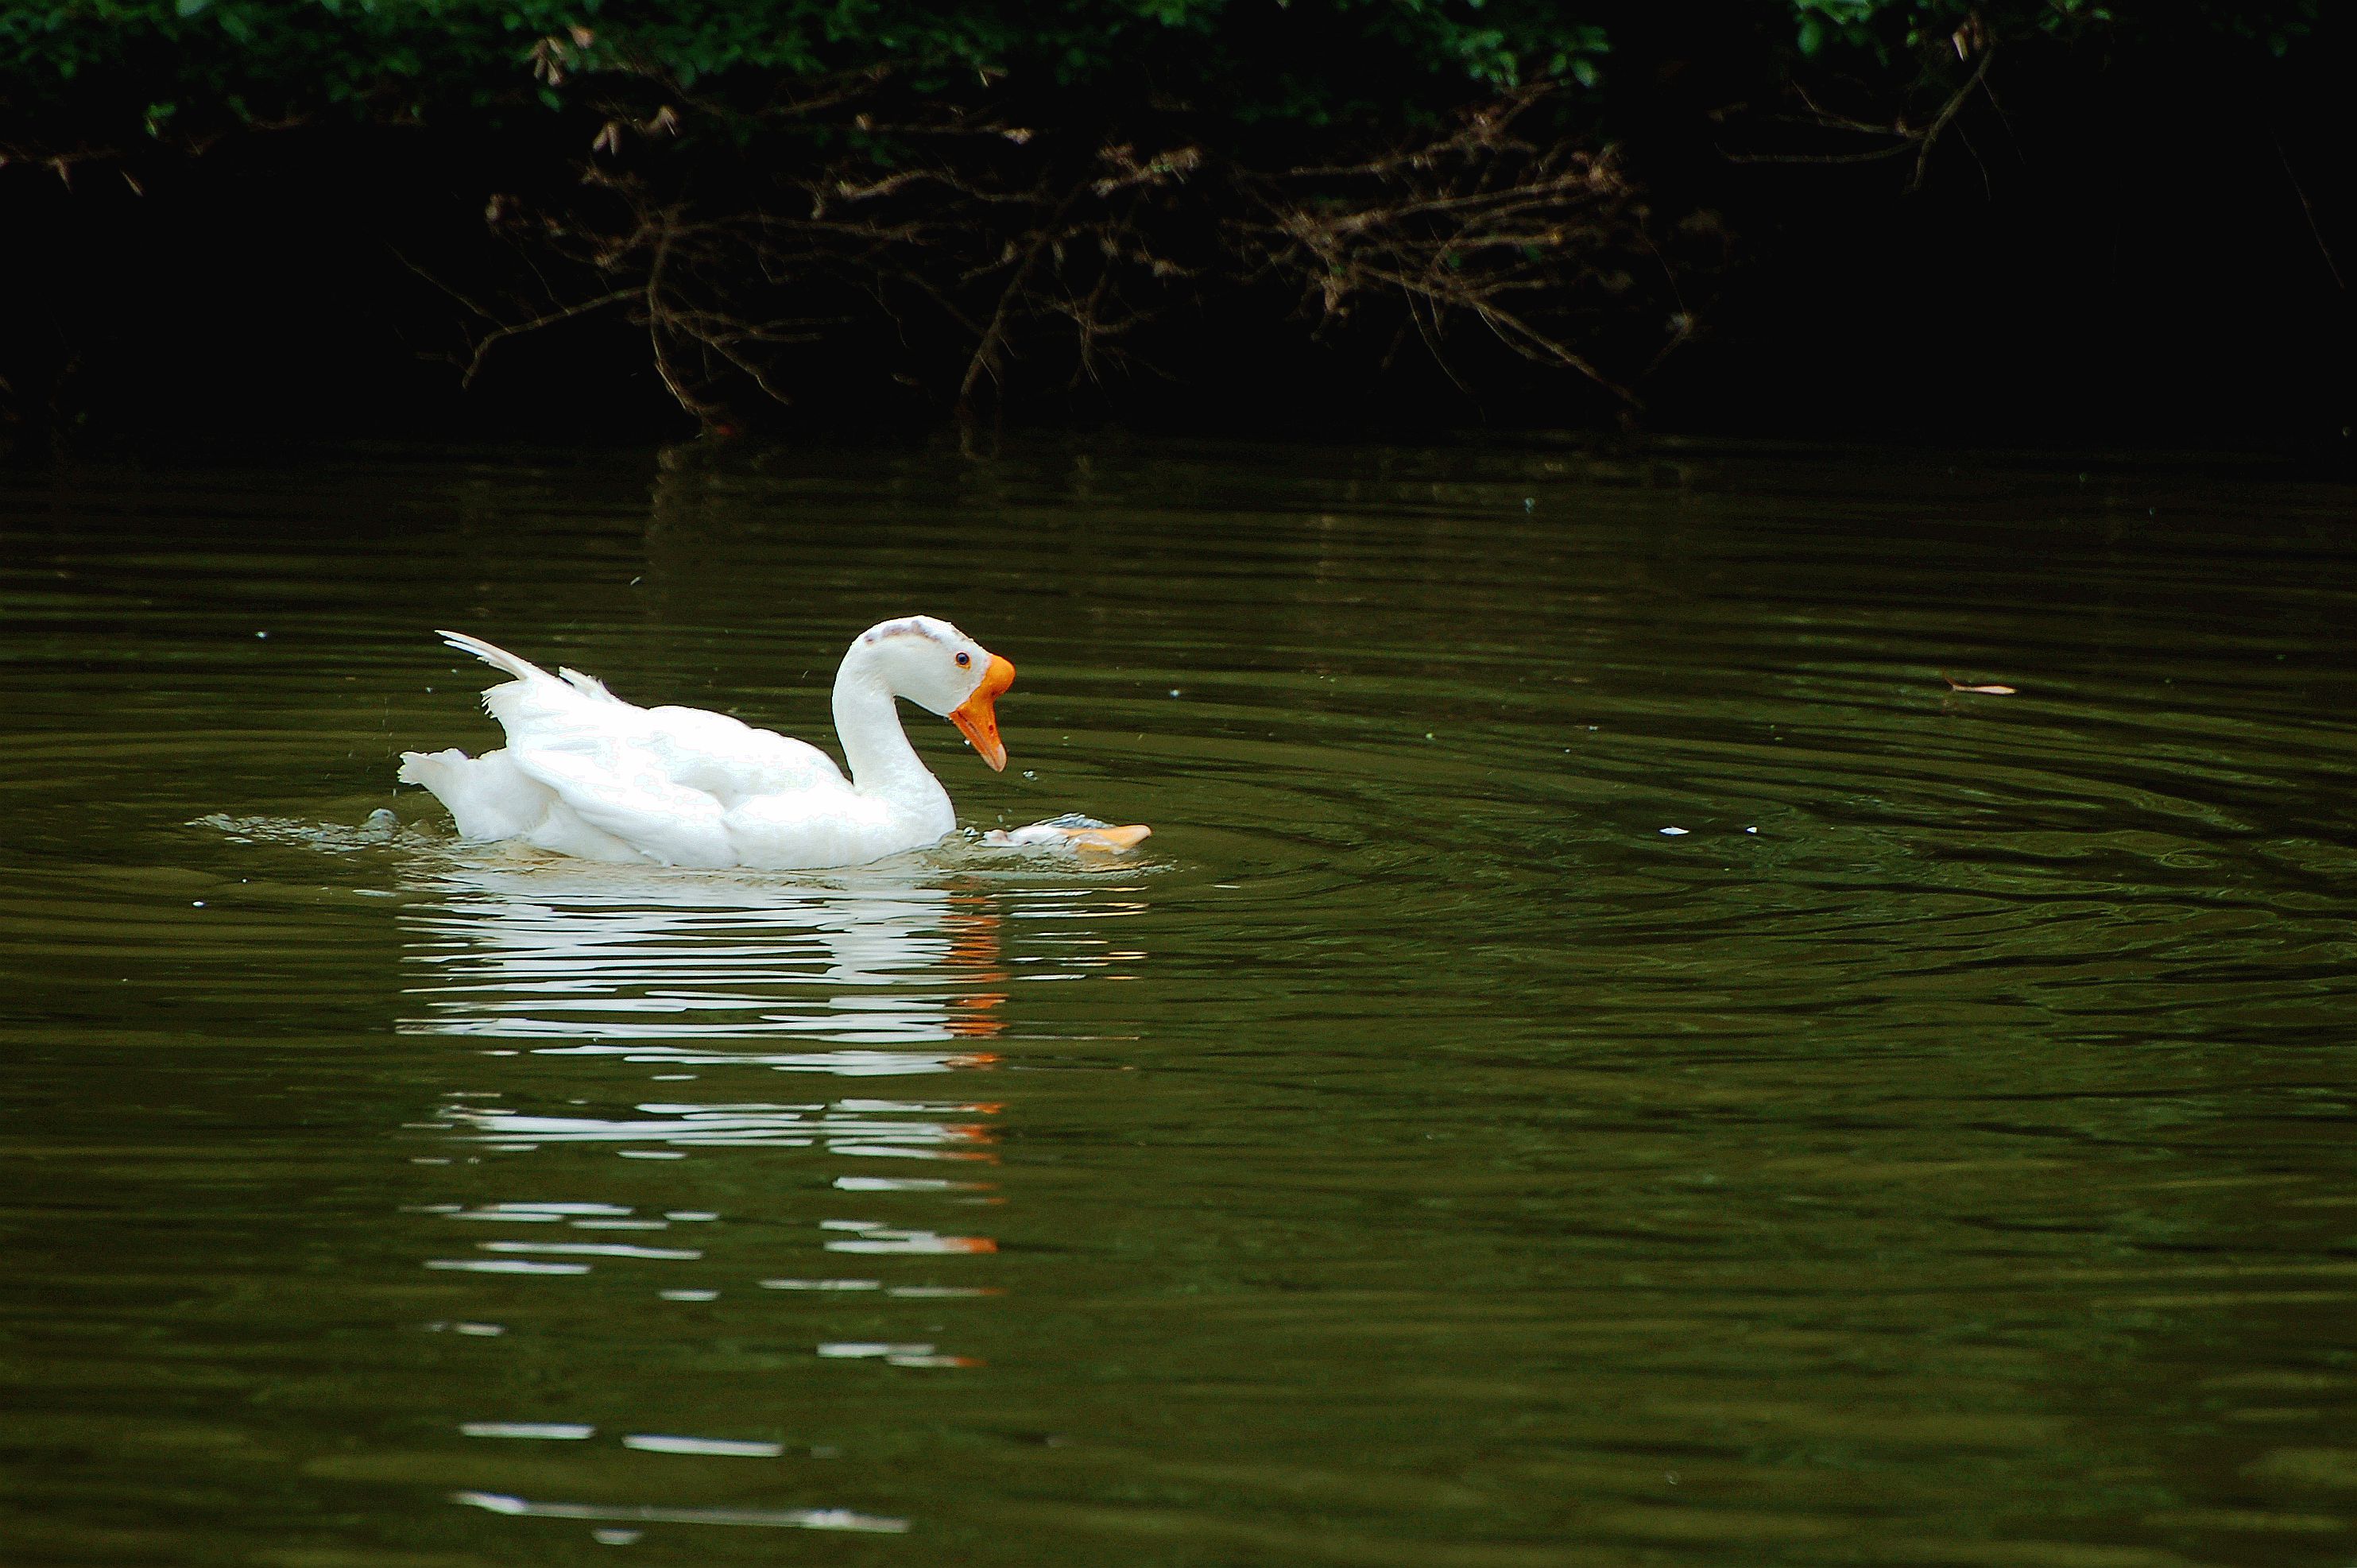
(978, 715)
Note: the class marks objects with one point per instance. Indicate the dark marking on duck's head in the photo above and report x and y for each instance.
(911, 625)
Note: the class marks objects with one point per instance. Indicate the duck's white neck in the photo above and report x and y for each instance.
(875, 747)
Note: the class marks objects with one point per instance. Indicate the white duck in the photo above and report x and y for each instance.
(585, 773)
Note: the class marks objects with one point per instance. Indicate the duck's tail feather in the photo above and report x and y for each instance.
(495, 657)
(488, 796)
(588, 685)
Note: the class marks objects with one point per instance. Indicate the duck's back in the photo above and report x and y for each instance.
(677, 785)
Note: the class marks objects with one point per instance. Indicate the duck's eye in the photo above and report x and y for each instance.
(966, 660)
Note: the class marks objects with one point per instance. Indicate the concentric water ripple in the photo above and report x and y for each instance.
(1607, 1057)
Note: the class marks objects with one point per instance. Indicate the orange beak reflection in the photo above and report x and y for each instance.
(977, 717)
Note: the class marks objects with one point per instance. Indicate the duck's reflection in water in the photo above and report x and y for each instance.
(646, 1014)
(657, 963)
(693, 971)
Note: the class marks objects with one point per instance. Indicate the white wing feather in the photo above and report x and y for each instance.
(663, 782)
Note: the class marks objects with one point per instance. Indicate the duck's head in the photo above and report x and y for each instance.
(938, 666)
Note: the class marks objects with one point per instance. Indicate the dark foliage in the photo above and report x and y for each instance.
(579, 213)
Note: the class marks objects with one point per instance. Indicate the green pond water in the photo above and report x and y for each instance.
(1936, 1151)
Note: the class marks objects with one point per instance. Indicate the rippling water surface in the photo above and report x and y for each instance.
(1606, 1059)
